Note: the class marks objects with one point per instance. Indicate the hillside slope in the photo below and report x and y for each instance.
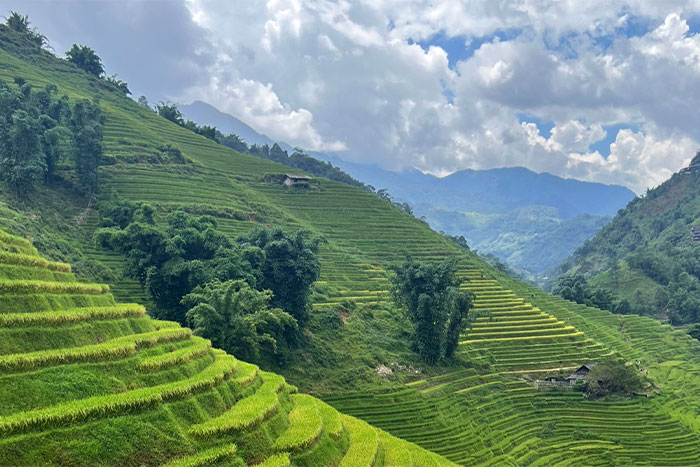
(509, 212)
(479, 408)
(87, 381)
(647, 255)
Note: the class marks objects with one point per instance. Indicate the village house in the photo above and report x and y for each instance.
(581, 373)
(290, 180)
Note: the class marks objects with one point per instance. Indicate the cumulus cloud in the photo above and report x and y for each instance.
(440, 85)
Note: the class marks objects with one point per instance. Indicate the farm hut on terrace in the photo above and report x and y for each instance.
(290, 180)
(581, 373)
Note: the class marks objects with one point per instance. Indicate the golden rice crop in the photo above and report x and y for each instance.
(199, 348)
(363, 443)
(304, 425)
(25, 286)
(205, 458)
(71, 316)
(245, 413)
(278, 460)
(78, 411)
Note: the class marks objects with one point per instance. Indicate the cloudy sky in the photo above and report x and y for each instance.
(601, 90)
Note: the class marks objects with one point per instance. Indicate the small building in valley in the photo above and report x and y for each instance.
(557, 383)
(581, 373)
(290, 180)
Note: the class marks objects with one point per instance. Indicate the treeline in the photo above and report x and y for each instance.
(574, 287)
(250, 296)
(81, 56)
(39, 131)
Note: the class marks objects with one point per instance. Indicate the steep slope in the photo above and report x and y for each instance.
(482, 407)
(647, 254)
(87, 381)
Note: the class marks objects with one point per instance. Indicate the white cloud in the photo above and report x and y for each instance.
(352, 75)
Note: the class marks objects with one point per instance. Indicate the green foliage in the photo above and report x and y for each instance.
(21, 161)
(574, 287)
(613, 377)
(237, 318)
(298, 159)
(86, 59)
(694, 331)
(171, 261)
(86, 123)
(288, 266)
(646, 254)
(39, 130)
(439, 311)
(172, 112)
(20, 24)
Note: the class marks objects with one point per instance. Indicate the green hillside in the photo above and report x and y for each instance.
(647, 255)
(88, 381)
(480, 407)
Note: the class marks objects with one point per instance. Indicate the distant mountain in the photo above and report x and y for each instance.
(530, 220)
(647, 254)
(206, 114)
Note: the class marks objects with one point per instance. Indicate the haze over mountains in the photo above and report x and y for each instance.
(532, 221)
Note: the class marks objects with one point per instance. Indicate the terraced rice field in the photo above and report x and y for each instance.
(493, 415)
(170, 396)
(84, 380)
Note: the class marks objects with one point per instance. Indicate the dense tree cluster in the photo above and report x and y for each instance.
(574, 287)
(187, 264)
(238, 318)
(39, 130)
(610, 377)
(439, 311)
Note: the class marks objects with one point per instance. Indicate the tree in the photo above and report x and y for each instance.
(86, 59)
(238, 318)
(439, 311)
(170, 112)
(572, 287)
(86, 123)
(143, 101)
(171, 261)
(20, 24)
(21, 160)
(288, 266)
(613, 377)
(694, 331)
(122, 86)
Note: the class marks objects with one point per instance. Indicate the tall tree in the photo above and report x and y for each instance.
(288, 265)
(439, 311)
(21, 159)
(170, 112)
(86, 123)
(20, 23)
(86, 59)
(238, 318)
